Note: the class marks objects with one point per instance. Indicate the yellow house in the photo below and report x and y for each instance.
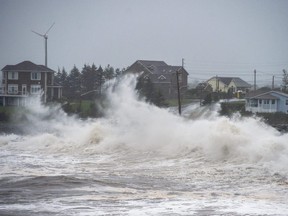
(225, 84)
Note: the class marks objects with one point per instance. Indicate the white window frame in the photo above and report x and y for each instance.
(12, 89)
(12, 75)
(35, 89)
(162, 77)
(35, 76)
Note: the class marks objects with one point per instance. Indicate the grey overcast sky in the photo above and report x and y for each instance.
(215, 37)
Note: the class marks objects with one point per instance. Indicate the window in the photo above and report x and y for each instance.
(12, 89)
(35, 76)
(286, 102)
(12, 75)
(266, 101)
(273, 101)
(35, 89)
(254, 103)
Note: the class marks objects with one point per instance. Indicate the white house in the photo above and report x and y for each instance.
(267, 102)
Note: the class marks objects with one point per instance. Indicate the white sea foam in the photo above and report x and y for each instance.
(131, 124)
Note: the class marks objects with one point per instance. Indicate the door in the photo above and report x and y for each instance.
(24, 89)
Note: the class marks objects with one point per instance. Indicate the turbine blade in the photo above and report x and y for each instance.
(49, 29)
(37, 33)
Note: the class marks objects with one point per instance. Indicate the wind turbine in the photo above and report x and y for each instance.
(45, 36)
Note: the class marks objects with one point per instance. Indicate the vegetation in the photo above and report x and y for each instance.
(84, 109)
(285, 81)
(229, 108)
(5, 113)
(146, 89)
(85, 84)
(274, 119)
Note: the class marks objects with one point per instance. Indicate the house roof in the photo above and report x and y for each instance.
(225, 80)
(240, 83)
(159, 67)
(27, 66)
(264, 94)
(148, 63)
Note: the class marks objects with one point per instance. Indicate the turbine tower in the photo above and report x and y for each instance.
(45, 36)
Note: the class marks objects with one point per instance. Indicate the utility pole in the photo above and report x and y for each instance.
(178, 90)
(254, 80)
(273, 82)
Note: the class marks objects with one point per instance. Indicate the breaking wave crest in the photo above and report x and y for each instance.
(132, 125)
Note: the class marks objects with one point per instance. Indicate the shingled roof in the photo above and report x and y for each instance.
(27, 66)
(159, 67)
(148, 63)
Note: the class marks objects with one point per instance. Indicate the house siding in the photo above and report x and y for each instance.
(217, 85)
(282, 106)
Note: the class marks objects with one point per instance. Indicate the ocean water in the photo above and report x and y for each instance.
(142, 160)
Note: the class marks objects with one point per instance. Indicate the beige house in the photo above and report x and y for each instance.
(226, 84)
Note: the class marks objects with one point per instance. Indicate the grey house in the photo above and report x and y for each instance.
(162, 75)
(27, 79)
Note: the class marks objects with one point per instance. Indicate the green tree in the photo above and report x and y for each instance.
(146, 89)
(74, 83)
(57, 77)
(100, 79)
(87, 80)
(63, 81)
(109, 72)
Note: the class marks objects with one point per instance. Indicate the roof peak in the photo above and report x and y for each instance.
(27, 66)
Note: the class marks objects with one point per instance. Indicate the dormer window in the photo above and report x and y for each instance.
(35, 76)
(151, 67)
(162, 77)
